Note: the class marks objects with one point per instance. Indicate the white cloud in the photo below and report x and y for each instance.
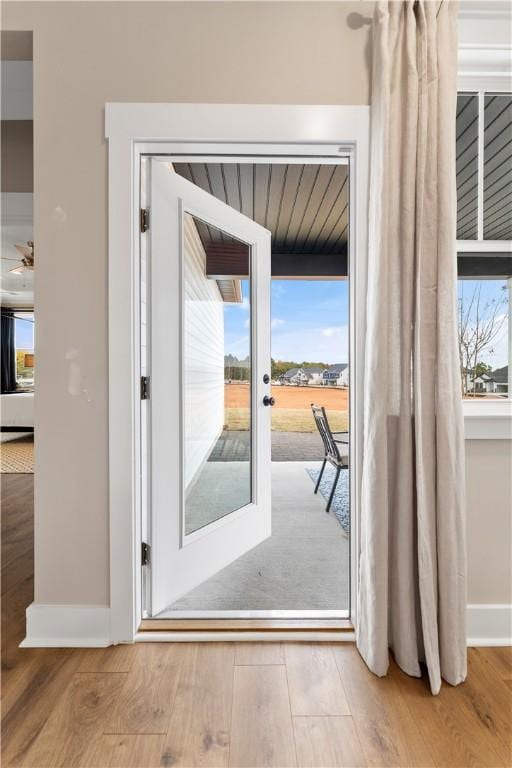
(244, 304)
(331, 331)
(276, 322)
(278, 290)
(233, 344)
(311, 344)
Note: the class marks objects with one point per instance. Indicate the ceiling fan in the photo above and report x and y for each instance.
(27, 258)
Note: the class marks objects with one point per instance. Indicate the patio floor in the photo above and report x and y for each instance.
(304, 565)
(233, 445)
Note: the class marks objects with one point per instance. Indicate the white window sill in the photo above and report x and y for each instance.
(487, 420)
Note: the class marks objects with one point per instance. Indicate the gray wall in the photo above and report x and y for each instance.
(86, 54)
(17, 156)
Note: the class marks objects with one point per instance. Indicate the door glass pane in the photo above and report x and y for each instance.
(497, 166)
(467, 166)
(217, 320)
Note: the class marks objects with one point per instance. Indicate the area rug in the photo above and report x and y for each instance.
(17, 454)
(340, 506)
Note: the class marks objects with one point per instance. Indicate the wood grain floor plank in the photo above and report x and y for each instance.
(19, 569)
(200, 724)
(501, 659)
(116, 658)
(327, 742)
(314, 681)
(17, 524)
(76, 720)
(388, 732)
(17, 543)
(26, 718)
(29, 664)
(14, 604)
(147, 698)
(126, 751)
(259, 653)
(488, 699)
(455, 735)
(261, 726)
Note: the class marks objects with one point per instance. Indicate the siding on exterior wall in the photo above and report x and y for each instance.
(203, 356)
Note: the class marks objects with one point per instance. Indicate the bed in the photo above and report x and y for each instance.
(17, 410)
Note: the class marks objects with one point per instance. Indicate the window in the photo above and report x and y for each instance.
(483, 337)
(24, 345)
(484, 240)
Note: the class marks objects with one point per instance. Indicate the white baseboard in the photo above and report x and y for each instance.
(67, 626)
(88, 626)
(489, 624)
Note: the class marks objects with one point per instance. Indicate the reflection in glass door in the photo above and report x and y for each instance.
(217, 368)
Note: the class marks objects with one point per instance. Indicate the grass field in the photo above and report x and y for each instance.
(292, 411)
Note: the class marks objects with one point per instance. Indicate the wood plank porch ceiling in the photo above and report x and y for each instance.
(304, 206)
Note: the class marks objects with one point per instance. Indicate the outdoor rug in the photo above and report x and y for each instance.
(17, 454)
(340, 506)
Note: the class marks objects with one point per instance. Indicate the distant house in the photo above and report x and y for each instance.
(302, 376)
(500, 378)
(293, 376)
(314, 374)
(335, 375)
(481, 383)
(490, 382)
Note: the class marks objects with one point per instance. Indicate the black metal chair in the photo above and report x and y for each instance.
(332, 442)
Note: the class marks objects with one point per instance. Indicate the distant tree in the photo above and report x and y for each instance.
(480, 323)
(23, 374)
(482, 368)
(278, 367)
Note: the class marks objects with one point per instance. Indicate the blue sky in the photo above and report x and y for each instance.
(309, 321)
(490, 291)
(24, 333)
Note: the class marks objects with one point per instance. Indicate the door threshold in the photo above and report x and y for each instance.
(247, 635)
(245, 625)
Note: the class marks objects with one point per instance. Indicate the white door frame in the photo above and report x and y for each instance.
(208, 129)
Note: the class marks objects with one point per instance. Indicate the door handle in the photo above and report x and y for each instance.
(268, 400)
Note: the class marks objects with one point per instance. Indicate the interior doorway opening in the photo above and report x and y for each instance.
(302, 568)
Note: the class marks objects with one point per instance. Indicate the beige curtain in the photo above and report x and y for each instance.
(412, 593)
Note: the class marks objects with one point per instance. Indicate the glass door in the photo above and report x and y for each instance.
(209, 420)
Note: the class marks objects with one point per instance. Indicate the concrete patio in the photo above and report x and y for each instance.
(304, 565)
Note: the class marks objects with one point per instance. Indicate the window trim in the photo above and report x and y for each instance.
(492, 246)
(486, 68)
(491, 420)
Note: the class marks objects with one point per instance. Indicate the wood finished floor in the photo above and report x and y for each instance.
(282, 704)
